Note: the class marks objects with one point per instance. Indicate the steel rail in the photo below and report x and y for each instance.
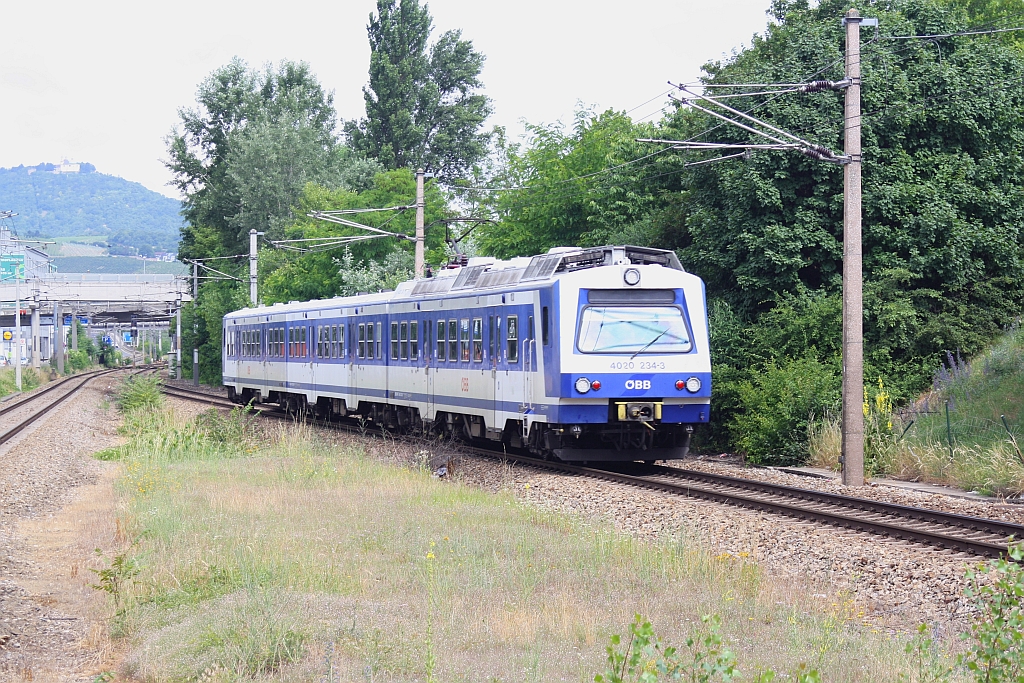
(992, 526)
(890, 528)
(21, 426)
(32, 396)
(760, 496)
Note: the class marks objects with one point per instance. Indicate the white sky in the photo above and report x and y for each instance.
(102, 81)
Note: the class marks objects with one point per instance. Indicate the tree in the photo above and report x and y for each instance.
(574, 187)
(422, 105)
(242, 156)
(341, 271)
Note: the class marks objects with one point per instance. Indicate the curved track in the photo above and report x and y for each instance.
(958, 533)
(29, 400)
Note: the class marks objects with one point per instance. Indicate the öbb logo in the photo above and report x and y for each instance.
(643, 384)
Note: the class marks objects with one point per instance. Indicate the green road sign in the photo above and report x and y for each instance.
(11, 264)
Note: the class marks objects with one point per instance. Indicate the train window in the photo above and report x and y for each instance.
(259, 342)
(512, 337)
(341, 341)
(361, 349)
(529, 326)
(279, 343)
(633, 330)
(440, 340)
(291, 342)
(453, 341)
(332, 341)
(304, 351)
(478, 340)
(464, 340)
(380, 340)
(544, 325)
(394, 341)
(404, 336)
(414, 340)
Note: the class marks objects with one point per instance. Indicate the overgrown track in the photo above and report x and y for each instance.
(31, 399)
(958, 533)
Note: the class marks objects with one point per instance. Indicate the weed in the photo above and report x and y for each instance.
(929, 665)
(139, 392)
(997, 632)
(116, 577)
(646, 658)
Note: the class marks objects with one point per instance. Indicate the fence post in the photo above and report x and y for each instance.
(949, 432)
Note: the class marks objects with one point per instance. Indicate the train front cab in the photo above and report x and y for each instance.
(629, 365)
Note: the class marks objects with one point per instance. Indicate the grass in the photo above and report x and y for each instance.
(976, 445)
(268, 552)
(30, 379)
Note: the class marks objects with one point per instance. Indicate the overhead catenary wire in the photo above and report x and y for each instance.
(868, 50)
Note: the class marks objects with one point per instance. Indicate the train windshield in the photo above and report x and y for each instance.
(633, 329)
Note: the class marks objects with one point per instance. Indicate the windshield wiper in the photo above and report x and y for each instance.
(649, 344)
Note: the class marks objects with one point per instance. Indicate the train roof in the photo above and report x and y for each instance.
(485, 273)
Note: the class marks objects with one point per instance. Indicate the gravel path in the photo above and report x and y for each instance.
(41, 471)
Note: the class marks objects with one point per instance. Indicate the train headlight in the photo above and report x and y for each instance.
(693, 385)
(631, 277)
(583, 385)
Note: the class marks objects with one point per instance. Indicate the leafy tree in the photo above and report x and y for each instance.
(942, 180)
(423, 108)
(572, 187)
(242, 156)
(340, 271)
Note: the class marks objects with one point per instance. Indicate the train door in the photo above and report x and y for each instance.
(428, 333)
(492, 351)
(262, 350)
(509, 383)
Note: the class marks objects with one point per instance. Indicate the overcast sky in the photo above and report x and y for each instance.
(102, 81)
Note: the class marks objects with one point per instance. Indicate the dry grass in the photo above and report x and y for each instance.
(995, 468)
(307, 560)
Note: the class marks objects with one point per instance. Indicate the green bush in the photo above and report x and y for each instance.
(775, 405)
(139, 392)
(79, 360)
(997, 588)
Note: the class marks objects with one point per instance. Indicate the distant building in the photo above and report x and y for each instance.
(66, 166)
(36, 261)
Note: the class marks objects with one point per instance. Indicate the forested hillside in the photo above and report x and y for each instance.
(133, 219)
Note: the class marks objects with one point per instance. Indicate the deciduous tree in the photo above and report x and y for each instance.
(423, 105)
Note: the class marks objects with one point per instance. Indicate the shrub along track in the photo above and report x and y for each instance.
(951, 532)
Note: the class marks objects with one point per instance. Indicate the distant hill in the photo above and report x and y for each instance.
(77, 200)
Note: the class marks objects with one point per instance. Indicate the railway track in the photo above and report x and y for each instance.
(957, 533)
(30, 400)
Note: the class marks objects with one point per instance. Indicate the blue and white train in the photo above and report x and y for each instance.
(596, 354)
